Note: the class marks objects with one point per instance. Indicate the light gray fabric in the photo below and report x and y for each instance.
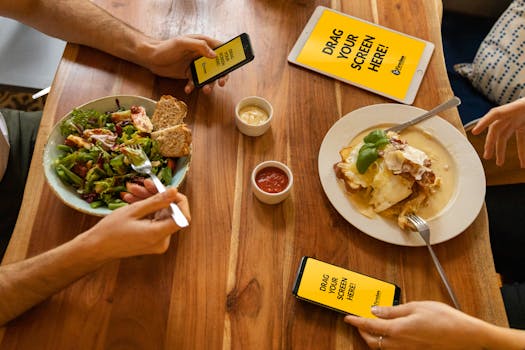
(4, 146)
(23, 129)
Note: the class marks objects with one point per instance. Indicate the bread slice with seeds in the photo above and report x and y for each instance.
(173, 141)
(168, 112)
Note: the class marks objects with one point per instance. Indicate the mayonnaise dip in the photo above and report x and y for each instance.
(253, 115)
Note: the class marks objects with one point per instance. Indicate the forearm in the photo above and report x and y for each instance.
(27, 283)
(81, 22)
(502, 338)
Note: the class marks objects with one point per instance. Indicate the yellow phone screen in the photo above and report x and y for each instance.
(342, 289)
(228, 55)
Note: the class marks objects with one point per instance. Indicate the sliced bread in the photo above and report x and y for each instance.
(168, 112)
(173, 141)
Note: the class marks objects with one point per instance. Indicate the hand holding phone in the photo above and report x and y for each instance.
(230, 56)
(342, 290)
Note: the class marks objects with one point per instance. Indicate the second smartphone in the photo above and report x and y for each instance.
(342, 290)
(230, 56)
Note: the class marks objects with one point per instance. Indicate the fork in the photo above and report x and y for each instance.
(144, 167)
(453, 102)
(424, 231)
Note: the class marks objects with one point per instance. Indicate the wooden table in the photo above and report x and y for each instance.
(226, 281)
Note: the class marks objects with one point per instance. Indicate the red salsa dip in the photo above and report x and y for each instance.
(271, 179)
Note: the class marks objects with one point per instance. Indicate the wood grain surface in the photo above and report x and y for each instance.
(225, 282)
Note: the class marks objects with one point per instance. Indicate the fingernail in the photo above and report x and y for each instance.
(376, 310)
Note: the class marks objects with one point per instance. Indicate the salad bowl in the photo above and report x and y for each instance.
(66, 193)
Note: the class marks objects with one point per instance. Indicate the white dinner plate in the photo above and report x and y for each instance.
(465, 204)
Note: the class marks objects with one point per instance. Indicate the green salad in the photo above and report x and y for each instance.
(94, 158)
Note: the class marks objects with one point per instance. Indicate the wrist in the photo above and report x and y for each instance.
(485, 335)
(495, 337)
(91, 247)
(144, 52)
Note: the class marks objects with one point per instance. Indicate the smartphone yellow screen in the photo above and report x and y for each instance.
(342, 289)
(362, 53)
(228, 55)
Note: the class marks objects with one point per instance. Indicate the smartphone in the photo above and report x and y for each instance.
(342, 290)
(230, 56)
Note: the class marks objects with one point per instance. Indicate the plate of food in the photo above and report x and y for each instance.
(375, 179)
(86, 161)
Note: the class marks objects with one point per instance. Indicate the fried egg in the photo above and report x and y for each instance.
(391, 178)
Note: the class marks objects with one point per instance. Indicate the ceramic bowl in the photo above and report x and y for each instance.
(66, 193)
(253, 129)
(268, 197)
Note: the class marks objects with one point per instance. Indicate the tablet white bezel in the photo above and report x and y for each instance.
(414, 84)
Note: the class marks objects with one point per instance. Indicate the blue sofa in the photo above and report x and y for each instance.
(462, 34)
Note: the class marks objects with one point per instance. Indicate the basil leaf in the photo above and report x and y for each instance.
(366, 156)
(375, 136)
(381, 143)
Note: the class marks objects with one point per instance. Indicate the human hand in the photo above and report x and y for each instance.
(419, 325)
(502, 122)
(172, 58)
(137, 192)
(129, 231)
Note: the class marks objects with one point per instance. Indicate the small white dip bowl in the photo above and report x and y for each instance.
(253, 128)
(271, 197)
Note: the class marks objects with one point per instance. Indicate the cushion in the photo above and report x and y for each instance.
(498, 69)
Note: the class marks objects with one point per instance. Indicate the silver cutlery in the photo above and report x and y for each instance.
(41, 93)
(453, 102)
(424, 231)
(143, 166)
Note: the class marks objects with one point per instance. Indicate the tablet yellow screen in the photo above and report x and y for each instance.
(362, 53)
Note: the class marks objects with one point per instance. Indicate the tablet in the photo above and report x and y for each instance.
(364, 54)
